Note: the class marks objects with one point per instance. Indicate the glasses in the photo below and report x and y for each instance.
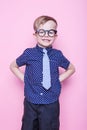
(42, 32)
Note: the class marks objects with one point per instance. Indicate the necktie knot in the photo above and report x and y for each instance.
(45, 51)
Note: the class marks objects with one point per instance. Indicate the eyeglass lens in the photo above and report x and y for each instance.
(50, 33)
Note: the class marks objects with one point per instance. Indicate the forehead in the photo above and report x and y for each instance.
(48, 25)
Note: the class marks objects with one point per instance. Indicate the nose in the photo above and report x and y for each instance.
(46, 33)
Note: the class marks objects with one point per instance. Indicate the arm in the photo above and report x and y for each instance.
(67, 73)
(15, 69)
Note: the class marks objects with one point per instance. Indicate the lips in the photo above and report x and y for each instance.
(46, 40)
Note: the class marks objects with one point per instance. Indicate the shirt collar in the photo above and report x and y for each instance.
(41, 49)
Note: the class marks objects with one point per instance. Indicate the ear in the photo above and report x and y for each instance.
(35, 35)
(56, 36)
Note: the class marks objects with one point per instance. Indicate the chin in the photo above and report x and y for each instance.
(46, 45)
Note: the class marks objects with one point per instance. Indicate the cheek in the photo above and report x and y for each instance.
(36, 37)
(53, 39)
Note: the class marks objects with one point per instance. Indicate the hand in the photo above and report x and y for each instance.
(67, 73)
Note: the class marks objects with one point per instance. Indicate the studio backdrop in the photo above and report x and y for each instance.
(16, 34)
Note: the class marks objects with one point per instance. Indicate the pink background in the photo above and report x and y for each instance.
(16, 19)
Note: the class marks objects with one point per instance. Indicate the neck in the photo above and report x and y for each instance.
(44, 46)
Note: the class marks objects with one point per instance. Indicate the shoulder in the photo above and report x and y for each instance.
(29, 50)
(57, 52)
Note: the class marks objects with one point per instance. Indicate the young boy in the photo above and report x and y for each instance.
(41, 103)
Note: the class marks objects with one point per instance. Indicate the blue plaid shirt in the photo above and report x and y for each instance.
(33, 90)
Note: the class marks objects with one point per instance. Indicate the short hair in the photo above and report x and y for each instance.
(41, 20)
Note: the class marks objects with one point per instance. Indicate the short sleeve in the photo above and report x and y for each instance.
(22, 59)
(64, 62)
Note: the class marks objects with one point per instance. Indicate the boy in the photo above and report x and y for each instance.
(41, 103)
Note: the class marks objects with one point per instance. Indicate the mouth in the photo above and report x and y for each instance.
(46, 40)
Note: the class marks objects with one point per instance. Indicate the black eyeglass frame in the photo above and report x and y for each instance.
(44, 32)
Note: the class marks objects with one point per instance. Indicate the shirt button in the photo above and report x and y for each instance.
(41, 94)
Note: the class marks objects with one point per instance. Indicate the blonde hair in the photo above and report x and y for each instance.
(41, 20)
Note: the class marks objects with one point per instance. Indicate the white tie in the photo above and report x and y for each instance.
(46, 71)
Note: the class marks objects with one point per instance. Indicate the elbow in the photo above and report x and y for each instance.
(73, 69)
(12, 66)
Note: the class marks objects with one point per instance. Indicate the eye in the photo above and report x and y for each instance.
(52, 32)
(41, 32)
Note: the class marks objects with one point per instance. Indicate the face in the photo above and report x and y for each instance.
(46, 34)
